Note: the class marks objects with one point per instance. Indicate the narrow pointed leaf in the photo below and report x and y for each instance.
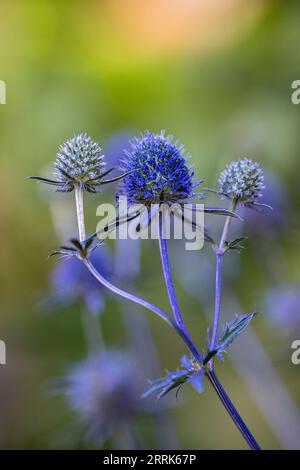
(214, 210)
(76, 243)
(68, 248)
(232, 331)
(236, 244)
(101, 176)
(44, 180)
(174, 380)
(113, 224)
(117, 178)
(207, 237)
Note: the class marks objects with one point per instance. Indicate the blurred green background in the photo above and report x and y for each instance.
(218, 76)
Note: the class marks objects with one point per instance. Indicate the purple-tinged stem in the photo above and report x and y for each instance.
(167, 274)
(181, 328)
(192, 348)
(185, 335)
(217, 300)
(144, 303)
(219, 264)
(249, 438)
(182, 331)
(125, 294)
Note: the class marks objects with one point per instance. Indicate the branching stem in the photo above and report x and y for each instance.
(178, 325)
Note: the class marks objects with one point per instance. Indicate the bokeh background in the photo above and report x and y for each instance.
(216, 74)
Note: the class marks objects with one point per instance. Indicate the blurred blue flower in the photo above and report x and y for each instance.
(104, 392)
(270, 223)
(71, 282)
(162, 173)
(282, 305)
(114, 148)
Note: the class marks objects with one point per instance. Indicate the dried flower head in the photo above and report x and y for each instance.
(79, 163)
(242, 180)
(159, 171)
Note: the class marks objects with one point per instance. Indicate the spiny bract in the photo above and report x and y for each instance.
(161, 171)
(80, 162)
(242, 180)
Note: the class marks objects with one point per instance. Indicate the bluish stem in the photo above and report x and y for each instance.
(240, 424)
(144, 303)
(91, 324)
(192, 348)
(168, 276)
(217, 300)
(180, 329)
(219, 264)
(125, 294)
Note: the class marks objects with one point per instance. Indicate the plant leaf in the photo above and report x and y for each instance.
(45, 180)
(166, 384)
(214, 210)
(117, 178)
(232, 331)
(235, 244)
(76, 243)
(113, 224)
(174, 380)
(184, 218)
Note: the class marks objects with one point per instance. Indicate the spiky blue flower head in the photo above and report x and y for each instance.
(160, 172)
(79, 161)
(242, 180)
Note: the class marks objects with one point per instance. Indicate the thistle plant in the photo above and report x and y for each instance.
(156, 171)
(161, 173)
(243, 181)
(79, 164)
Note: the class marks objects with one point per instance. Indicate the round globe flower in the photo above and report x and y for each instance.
(79, 163)
(242, 180)
(159, 171)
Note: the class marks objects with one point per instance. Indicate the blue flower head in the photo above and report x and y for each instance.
(79, 163)
(159, 171)
(242, 180)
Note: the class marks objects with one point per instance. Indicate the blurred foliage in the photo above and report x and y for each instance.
(218, 77)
